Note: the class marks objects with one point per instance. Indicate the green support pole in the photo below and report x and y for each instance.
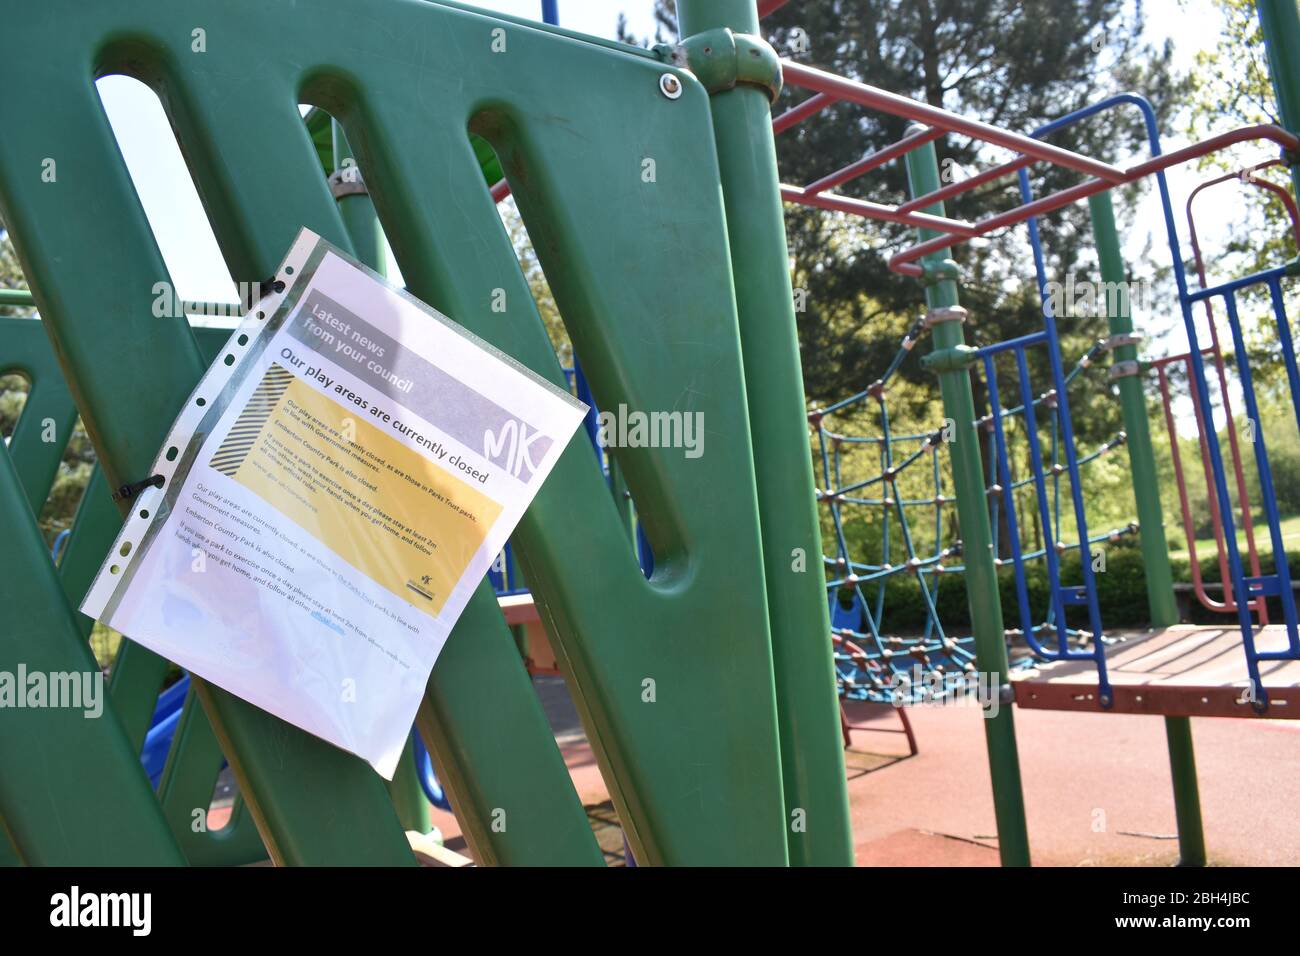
(812, 755)
(1280, 22)
(1155, 548)
(1187, 795)
(1142, 462)
(951, 358)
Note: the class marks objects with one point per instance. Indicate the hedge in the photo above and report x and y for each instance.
(1121, 592)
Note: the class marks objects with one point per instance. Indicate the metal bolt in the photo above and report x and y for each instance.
(670, 86)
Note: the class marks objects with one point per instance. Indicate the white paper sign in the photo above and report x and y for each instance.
(336, 487)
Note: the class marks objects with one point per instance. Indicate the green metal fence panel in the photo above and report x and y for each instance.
(49, 412)
(137, 673)
(673, 676)
(46, 821)
(195, 758)
(185, 792)
(48, 753)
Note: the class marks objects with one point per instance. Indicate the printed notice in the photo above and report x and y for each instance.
(339, 483)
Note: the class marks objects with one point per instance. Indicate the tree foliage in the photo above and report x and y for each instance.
(1013, 63)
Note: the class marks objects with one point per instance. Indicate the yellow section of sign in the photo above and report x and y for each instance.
(387, 510)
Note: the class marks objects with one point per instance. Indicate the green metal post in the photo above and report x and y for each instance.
(1155, 548)
(1187, 795)
(951, 358)
(812, 755)
(1146, 489)
(1280, 22)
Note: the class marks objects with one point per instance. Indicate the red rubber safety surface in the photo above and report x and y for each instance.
(1097, 789)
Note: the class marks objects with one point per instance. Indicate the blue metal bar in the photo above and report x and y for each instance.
(1284, 336)
(1270, 276)
(1044, 516)
(591, 423)
(1013, 529)
(1018, 343)
(1076, 496)
(1227, 290)
(1269, 496)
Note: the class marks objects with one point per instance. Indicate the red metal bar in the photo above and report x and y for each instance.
(1243, 497)
(874, 160)
(870, 96)
(500, 190)
(1176, 455)
(770, 6)
(905, 262)
(829, 88)
(971, 182)
(1244, 175)
(1229, 604)
(1171, 359)
(1198, 586)
(797, 114)
(877, 211)
(1205, 422)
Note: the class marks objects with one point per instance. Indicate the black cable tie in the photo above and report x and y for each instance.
(263, 288)
(127, 492)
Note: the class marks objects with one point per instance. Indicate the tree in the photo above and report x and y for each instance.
(1231, 86)
(1013, 63)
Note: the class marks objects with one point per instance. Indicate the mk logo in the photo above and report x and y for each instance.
(512, 447)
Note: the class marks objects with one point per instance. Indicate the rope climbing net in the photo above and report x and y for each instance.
(901, 502)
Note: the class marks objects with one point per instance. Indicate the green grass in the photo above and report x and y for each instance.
(1206, 547)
